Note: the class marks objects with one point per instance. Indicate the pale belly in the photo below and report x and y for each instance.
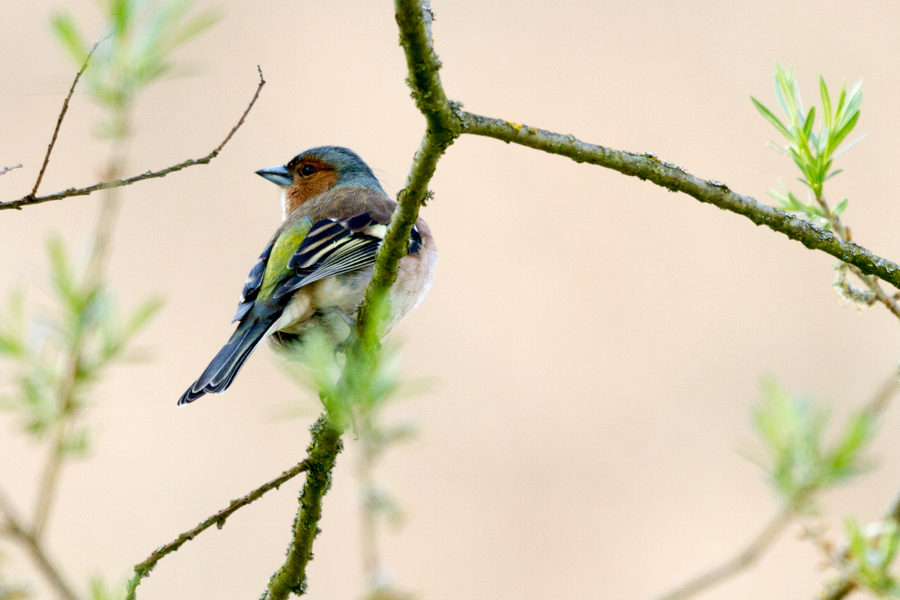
(331, 304)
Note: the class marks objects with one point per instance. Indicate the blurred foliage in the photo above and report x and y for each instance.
(812, 150)
(356, 379)
(798, 459)
(868, 556)
(99, 590)
(141, 37)
(11, 591)
(56, 358)
(350, 375)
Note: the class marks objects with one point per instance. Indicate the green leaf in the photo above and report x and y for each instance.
(838, 136)
(827, 115)
(842, 205)
(67, 33)
(771, 118)
(142, 316)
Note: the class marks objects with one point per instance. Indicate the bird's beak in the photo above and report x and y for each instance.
(279, 175)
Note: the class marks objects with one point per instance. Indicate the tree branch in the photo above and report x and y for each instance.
(321, 456)
(62, 114)
(744, 560)
(16, 529)
(6, 170)
(414, 21)
(841, 587)
(30, 199)
(674, 178)
(143, 569)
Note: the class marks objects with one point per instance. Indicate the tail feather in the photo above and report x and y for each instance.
(225, 366)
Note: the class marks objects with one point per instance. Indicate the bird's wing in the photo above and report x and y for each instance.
(333, 247)
(253, 283)
(306, 252)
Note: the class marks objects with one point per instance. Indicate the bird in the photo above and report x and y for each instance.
(314, 270)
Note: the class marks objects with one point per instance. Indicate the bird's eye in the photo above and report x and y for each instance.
(307, 170)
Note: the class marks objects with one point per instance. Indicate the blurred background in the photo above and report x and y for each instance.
(596, 341)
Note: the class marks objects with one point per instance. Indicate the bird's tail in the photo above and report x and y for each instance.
(225, 366)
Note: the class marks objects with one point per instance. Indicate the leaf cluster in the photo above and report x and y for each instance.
(56, 357)
(352, 376)
(813, 149)
(869, 554)
(798, 459)
(137, 50)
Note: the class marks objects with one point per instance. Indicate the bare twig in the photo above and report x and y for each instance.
(30, 200)
(62, 114)
(143, 569)
(885, 393)
(745, 559)
(6, 170)
(321, 456)
(16, 529)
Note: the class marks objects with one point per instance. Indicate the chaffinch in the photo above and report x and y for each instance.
(314, 271)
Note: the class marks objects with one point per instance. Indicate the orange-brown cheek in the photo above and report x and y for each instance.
(308, 188)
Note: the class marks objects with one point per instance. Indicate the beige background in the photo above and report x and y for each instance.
(597, 341)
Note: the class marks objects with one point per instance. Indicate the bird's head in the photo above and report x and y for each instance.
(318, 170)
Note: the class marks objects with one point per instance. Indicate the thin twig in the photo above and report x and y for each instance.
(877, 404)
(844, 233)
(143, 569)
(30, 200)
(745, 559)
(16, 529)
(6, 170)
(62, 114)
(321, 456)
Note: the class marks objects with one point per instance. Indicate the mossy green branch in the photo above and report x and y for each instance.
(443, 127)
(143, 569)
(674, 178)
(321, 455)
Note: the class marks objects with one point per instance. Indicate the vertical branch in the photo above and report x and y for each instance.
(414, 20)
(321, 456)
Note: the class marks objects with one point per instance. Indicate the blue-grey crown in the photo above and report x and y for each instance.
(352, 170)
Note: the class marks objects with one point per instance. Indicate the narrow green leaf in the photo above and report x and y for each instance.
(771, 118)
(827, 115)
(63, 25)
(839, 135)
(833, 173)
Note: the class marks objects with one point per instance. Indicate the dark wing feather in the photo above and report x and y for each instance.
(333, 247)
(253, 283)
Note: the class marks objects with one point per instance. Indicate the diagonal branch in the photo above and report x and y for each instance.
(62, 115)
(143, 569)
(30, 200)
(6, 170)
(674, 178)
(16, 529)
(742, 561)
